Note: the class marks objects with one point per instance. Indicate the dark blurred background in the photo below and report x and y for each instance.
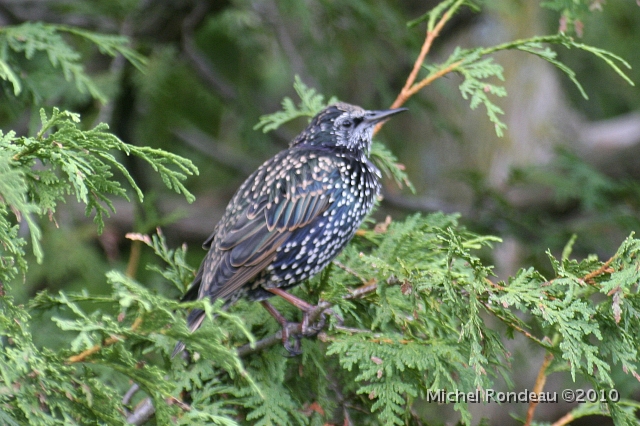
(565, 165)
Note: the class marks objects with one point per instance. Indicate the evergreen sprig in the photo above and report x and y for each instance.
(71, 161)
(32, 38)
(311, 102)
(422, 330)
(477, 69)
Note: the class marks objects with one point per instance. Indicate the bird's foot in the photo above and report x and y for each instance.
(293, 332)
(296, 349)
(319, 312)
(314, 319)
(308, 329)
(288, 336)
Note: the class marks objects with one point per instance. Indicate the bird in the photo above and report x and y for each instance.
(293, 215)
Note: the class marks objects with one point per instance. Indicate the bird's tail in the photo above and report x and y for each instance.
(194, 321)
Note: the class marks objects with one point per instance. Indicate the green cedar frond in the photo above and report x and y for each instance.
(31, 38)
(311, 102)
(384, 159)
(85, 160)
(13, 194)
(476, 68)
(423, 330)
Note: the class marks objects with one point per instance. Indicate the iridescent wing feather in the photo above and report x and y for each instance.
(248, 237)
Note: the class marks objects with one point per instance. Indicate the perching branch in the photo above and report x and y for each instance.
(410, 88)
(145, 409)
(539, 385)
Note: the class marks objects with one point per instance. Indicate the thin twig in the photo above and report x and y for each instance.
(201, 65)
(349, 270)
(410, 87)
(351, 330)
(564, 420)
(424, 50)
(96, 348)
(212, 148)
(116, 68)
(126, 399)
(267, 342)
(134, 259)
(601, 270)
(537, 388)
(516, 327)
(370, 287)
(432, 77)
(390, 341)
(176, 401)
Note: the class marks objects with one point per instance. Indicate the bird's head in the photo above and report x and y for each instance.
(343, 125)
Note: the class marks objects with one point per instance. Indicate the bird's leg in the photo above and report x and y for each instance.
(298, 303)
(307, 309)
(295, 350)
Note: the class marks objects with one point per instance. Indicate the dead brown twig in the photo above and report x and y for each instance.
(564, 420)
(96, 348)
(539, 385)
(410, 87)
(601, 270)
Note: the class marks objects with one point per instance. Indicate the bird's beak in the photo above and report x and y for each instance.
(375, 117)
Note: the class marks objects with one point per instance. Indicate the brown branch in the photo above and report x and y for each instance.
(537, 388)
(410, 88)
(601, 270)
(564, 420)
(108, 342)
(515, 326)
(430, 78)
(369, 287)
(426, 46)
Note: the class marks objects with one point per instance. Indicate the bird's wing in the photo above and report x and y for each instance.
(292, 196)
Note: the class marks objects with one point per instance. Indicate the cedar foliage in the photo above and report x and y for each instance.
(436, 320)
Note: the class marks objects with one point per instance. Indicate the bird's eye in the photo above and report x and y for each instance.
(347, 123)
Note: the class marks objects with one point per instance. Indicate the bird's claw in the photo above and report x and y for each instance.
(294, 350)
(295, 332)
(310, 330)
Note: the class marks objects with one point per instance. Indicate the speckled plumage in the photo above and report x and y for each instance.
(294, 214)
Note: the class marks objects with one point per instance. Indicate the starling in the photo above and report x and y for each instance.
(293, 215)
